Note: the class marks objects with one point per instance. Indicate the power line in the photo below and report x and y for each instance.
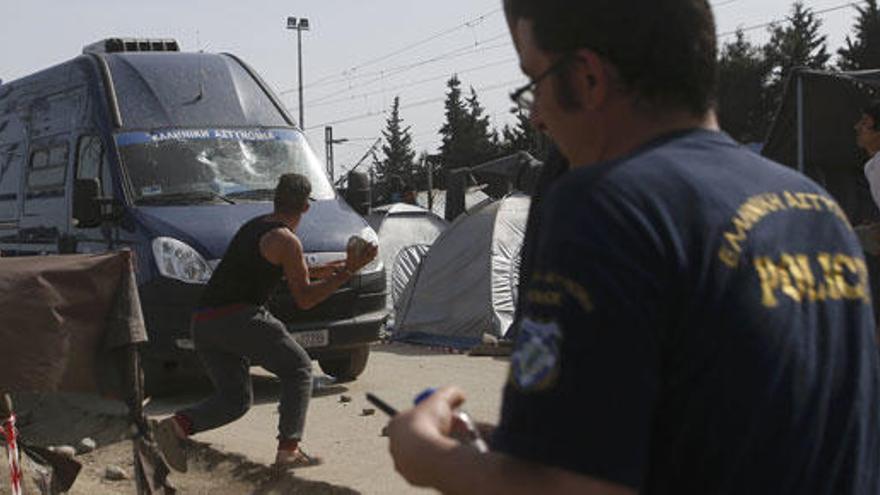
(469, 23)
(399, 70)
(322, 101)
(433, 100)
(469, 49)
(411, 105)
(786, 19)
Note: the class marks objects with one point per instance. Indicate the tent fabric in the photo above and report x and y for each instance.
(465, 286)
(832, 103)
(405, 266)
(60, 317)
(400, 225)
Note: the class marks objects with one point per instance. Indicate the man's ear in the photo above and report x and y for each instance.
(591, 78)
(306, 208)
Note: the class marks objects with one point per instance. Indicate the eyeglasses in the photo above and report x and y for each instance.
(524, 96)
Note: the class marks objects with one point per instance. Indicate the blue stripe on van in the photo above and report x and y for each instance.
(8, 197)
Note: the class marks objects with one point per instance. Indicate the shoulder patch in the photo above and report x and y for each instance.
(534, 364)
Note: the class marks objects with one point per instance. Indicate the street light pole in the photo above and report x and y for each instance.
(301, 24)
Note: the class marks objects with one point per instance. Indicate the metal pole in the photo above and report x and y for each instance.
(430, 166)
(800, 122)
(328, 143)
(302, 121)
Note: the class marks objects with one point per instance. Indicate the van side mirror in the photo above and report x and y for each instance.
(86, 208)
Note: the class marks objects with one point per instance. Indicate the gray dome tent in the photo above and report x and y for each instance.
(400, 226)
(466, 284)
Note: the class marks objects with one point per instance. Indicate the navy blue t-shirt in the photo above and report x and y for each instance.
(699, 321)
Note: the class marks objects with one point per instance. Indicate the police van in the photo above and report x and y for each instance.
(134, 144)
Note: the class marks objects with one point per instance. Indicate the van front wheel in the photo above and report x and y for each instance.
(347, 367)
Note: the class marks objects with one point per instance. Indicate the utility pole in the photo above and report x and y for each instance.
(302, 25)
(328, 147)
(429, 165)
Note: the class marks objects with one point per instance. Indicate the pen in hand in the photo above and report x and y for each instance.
(382, 405)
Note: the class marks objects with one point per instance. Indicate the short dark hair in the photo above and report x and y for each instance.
(872, 110)
(665, 51)
(292, 193)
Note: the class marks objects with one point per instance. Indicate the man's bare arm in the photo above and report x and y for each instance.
(326, 270)
(281, 247)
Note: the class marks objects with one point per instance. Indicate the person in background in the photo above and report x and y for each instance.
(232, 329)
(698, 318)
(868, 139)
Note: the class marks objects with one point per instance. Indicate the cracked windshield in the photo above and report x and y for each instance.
(186, 165)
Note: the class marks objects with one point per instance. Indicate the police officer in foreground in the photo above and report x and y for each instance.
(699, 317)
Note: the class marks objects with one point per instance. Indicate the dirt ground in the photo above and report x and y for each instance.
(235, 459)
(209, 472)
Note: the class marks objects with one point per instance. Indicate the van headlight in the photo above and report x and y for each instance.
(369, 235)
(177, 260)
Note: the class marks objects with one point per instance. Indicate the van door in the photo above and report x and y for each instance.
(54, 112)
(45, 216)
(12, 159)
(92, 163)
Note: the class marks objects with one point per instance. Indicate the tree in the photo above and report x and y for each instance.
(797, 43)
(482, 138)
(395, 170)
(466, 137)
(453, 150)
(864, 51)
(743, 75)
(523, 137)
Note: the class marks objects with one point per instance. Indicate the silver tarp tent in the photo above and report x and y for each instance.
(398, 226)
(466, 284)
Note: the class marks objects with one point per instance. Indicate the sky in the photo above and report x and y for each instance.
(357, 56)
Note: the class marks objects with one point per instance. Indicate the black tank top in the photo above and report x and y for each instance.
(243, 275)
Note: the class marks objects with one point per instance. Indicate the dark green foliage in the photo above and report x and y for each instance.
(863, 52)
(395, 172)
(742, 105)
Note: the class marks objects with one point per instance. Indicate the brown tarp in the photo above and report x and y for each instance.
(61, 320)
(69, 327)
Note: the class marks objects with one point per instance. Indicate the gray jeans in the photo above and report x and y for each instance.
(227, 346)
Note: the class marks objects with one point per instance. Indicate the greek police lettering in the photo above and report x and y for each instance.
(244, 134)
(806, 279)
(758, 207)
(180, 134)
(224, 134)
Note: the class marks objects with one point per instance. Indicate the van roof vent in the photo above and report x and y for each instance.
(118, 45)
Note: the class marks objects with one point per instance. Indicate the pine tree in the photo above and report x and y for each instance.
(482, 138)
(864, 51)
(794, 44)
(454, 150)
(742, 77)
(395, 170)
(523, 137)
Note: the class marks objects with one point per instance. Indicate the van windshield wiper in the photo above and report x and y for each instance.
(179, 197)
(253, 194)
